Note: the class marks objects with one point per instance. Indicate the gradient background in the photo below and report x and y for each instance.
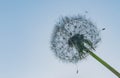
(25, 33)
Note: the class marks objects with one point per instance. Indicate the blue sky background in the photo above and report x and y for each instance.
(25, 33)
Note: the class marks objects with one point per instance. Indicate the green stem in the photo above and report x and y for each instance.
(105, 64)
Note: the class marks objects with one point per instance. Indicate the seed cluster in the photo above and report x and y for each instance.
(65, 29)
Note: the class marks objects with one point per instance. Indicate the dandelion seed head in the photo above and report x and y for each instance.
(65, 29)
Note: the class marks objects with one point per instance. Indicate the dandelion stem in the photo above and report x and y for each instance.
(105, 64)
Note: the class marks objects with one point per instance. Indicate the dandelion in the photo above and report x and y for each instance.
(76, 37)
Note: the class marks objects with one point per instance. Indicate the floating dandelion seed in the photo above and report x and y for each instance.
(76, 37)
(103, 28)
